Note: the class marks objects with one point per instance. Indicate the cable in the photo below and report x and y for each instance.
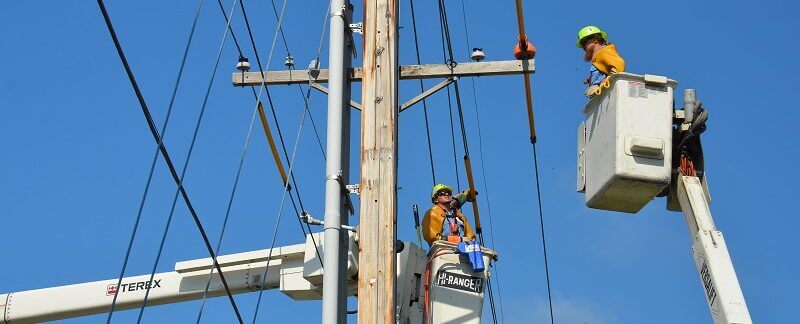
(228, 210)
(483, 171)
(264, 87)
(279, 29)
(188, 158)
(424, 102)
(467, 164)
(155, 158)
(278, 220)
(523, 42)
(541, 223)
(157, 137)
(300, 87)
(488, 200)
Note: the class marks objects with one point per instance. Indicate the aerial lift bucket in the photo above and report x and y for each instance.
(455, 290)
(625, 143)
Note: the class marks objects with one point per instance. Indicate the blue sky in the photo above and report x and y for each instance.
(77, 150)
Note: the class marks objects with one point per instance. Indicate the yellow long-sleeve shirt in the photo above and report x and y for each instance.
(434, 220)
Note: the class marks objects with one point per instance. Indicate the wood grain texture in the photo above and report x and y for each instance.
(378, 213)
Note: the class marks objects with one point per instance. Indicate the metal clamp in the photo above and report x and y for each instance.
(307, 218)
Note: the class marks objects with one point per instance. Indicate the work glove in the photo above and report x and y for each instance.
(470, 195)
(590, 92)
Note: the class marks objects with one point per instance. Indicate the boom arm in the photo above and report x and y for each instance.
(295, 269)
(723, 294)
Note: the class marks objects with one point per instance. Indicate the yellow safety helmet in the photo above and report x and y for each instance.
(439, 187)
(589, 31)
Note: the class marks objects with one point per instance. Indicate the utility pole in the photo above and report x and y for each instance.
(378, 212)
(379, 75)
(334, 288)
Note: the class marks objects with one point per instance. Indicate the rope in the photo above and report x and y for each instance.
(424, 102)
(155, 158)
(157, 137)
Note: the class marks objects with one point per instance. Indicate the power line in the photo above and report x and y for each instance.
(155, 158)
(541, 224)
(157, 137)
(280, 212)
(163, 131)
(422, 89)
(264, 87)
(483, 170)
(523, 44)
(468, 166)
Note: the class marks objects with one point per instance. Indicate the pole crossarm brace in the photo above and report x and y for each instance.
(407, 72)
(427, 93)
(323, 89)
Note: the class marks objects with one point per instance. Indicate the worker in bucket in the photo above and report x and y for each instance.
(444, 221)
(604, 58)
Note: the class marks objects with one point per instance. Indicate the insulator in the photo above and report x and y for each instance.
(477, 54)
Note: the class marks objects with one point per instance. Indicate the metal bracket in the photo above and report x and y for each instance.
(426, 93)
(346, 192)
(307, 218)
(357, 28)
(325, 90)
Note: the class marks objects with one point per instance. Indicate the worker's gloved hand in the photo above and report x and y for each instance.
(590, 92)
(470, 195)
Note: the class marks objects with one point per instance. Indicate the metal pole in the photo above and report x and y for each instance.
(689, 103)
(334, 303)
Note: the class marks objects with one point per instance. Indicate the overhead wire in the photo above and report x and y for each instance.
(300, 86)
(523, 43)
(163, 132)
(162, 148)
(306, 111)
(257, 111)
(467, 163)
(278, 218)
(286, 179)
(450, 62)
(422, 89)
(188, 158)
(278, 29)
(155, 158)
(496, 277)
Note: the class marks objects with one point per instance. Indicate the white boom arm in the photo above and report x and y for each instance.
(295, 269)
(723, 294)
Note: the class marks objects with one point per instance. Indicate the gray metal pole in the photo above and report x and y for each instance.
(689, 104)
(334, 302)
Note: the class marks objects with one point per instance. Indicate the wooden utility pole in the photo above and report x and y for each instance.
(378, 215)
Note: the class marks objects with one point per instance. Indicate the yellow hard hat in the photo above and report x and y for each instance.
(439, 187)
(589, 31)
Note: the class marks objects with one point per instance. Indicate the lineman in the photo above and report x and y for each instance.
(444, 221)
(603, 55)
